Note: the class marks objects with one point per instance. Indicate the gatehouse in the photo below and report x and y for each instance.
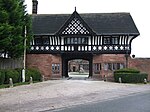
(102, 39)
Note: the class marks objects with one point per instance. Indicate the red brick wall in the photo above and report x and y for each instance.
(43, 62)
(142, 64)
(108, 58)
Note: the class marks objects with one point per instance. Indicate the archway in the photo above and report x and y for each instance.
(80, 58)
(78, 69)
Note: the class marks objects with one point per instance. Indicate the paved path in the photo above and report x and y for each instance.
(54, 94)
(78, 76)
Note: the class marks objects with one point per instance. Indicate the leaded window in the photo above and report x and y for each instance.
(113, 66)
(76, 40)
(110, 40)
(107, 40)
(115, 40)
(97, 67)
(55, 68)
(41, 40)
(45, 40)
(38, 41)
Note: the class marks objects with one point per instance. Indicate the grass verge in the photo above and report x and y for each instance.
(16, 84)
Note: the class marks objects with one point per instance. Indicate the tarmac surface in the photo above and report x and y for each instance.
(55, 94)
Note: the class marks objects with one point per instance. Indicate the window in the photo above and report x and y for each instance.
(115, 40)
(76, 40)
(55, 68)
(109, 40)
(97, 67)
(41, 40)
(110, 66)
(38, 41)
(113, 66)
(106, 66)
(45, 40)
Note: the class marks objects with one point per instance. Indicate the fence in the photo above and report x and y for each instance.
(11, 63)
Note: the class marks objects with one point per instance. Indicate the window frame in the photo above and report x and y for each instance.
(55, 68)
(76, 40)
(112, 66)
(41, 40)
(110, 40)
(97, 67)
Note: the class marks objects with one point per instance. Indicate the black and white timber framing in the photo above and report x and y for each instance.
(96, 33)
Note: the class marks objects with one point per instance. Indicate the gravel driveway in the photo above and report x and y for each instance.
(53, 94)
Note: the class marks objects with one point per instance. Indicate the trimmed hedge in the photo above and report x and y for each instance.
(10, 73)
(130, 76)
(34, 73)
(16, 75)
(127, 70)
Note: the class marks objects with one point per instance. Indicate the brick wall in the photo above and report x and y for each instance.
(43, 62)
(108, 58)
(142, 64)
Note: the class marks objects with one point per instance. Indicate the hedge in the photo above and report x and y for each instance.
(130, 76)
(127, 70)
(34, 73)
(19, 70)
(2, 77)
(15, 74)
(10, 73)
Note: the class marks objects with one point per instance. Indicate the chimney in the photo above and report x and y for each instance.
(34, 6)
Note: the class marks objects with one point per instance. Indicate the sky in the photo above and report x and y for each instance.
(139, 10)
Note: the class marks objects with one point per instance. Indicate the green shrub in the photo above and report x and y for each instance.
(2, 76)
(10, 73)
(19, 70)
(16, 75)
(127, 70)
(130, 77)
(34, 73)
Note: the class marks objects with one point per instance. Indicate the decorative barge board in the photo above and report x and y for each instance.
(82, 36)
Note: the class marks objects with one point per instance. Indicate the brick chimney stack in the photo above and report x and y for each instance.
(34, 6)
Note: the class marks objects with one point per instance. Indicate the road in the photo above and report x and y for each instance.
(132, 103)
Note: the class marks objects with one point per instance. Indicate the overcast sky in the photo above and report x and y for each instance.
(139, 10)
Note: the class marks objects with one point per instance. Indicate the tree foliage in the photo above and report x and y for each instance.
(13, 19)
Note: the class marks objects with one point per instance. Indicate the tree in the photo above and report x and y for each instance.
(13, 19)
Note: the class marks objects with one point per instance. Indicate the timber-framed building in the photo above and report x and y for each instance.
(102, 39)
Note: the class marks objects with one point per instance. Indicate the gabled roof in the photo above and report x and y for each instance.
(99, 23)
(75, 25)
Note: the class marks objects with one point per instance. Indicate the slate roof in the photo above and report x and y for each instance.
(100, 23)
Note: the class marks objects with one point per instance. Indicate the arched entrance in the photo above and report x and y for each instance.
(72, 56)
(78, 68)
